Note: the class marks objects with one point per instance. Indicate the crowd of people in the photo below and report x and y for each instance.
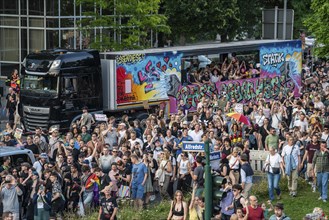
(96, 164)
(230, 69)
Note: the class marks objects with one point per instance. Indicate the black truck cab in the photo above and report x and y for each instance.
(56, 84)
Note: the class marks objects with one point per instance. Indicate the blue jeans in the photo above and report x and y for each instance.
(322, 179)
(273, 183)
(88, 198)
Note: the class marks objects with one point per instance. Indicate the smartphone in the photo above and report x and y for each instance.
(42, 188)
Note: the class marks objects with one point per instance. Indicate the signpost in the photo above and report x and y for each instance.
(193, 146)
(215, 156)
(208, 180)
(204, 147)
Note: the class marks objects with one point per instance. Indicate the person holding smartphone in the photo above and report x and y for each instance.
(9, 196)
(42, 203)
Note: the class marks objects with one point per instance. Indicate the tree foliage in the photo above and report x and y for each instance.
(317, 23)
(250, 19)
(121, 24)
(197, 20)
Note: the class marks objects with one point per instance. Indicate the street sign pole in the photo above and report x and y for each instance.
(208, 182)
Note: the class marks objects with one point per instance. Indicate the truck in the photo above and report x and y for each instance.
(58, 83)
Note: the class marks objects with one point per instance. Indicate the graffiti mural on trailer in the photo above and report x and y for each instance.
(241, 90)
(146, 77)
(280, 72)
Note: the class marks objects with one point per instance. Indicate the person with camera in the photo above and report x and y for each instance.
(9, 196)
(42, 202)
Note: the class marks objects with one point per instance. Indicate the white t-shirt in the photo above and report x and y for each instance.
(133, 142)
(295, 153)
(38, 166)
(276, 119)
(190, 158)
(296, 117)
(303, 125)
(319, 105)
(259, 119)
(196, 136)
(234, 163)
(274, 161)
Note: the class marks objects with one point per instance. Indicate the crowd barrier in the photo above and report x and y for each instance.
(257, 159)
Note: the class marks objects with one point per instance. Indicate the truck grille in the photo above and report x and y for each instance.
(35, 117)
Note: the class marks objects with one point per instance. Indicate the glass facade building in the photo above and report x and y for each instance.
(32, 25)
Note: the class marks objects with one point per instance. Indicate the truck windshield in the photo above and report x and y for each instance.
(38, 65)
(40, 83)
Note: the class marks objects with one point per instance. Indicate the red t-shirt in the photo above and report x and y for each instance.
(255, 214)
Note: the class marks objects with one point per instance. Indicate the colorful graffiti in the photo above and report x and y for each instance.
(280, 72)
(149, 77)
(241, 90)
(283, 59)
(193, 94)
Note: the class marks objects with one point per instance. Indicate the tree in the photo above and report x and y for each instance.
(250, 19)
(317, 23)
(195, 20)
(121, 24)
(301, 11)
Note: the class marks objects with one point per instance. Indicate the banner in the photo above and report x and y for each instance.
(100, 117)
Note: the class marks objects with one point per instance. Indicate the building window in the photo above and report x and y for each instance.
(36, 22)
(36, 40)
(9, 7)
(52, 7)
(9, 50)
(36, 7)
(52, 39)
(9, 21)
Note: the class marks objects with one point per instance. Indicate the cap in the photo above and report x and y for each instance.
(6, 133)
(35, 173)
(26, 164)
(53, 129)
(123, 124)
(185, 123)
(279, 206)
(43, 156)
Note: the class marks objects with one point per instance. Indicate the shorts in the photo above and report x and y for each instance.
(137, 192)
